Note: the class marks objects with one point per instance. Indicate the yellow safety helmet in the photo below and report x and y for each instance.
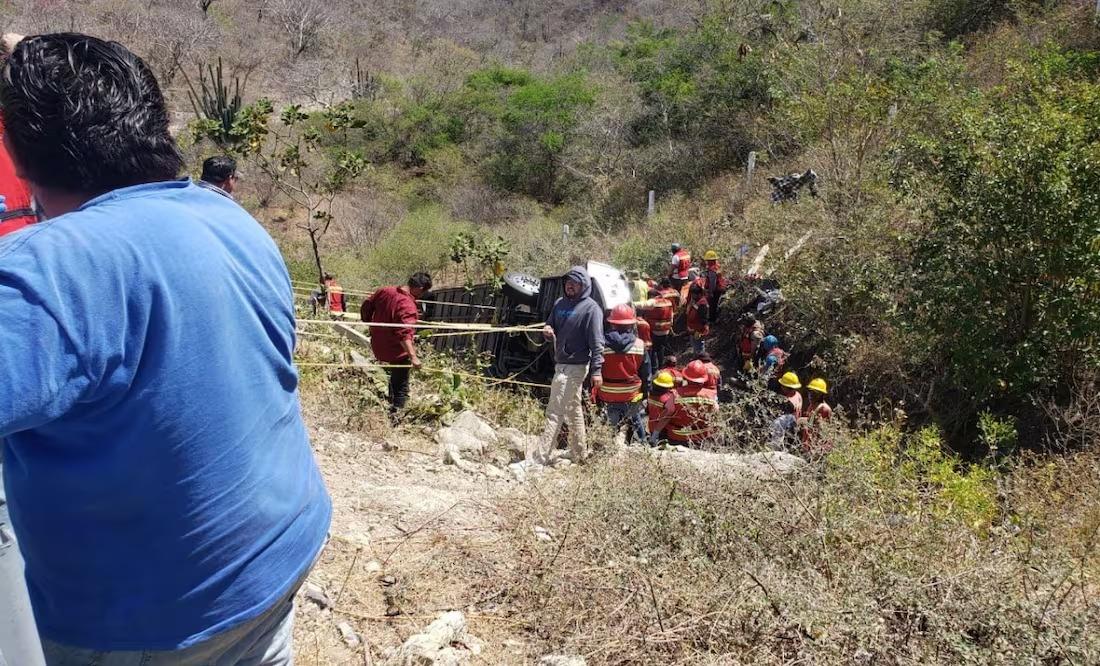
(710, 255)
(818, 385)
(664, 379)
(790, 380)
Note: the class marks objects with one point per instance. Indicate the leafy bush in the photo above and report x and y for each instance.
(1006, 262)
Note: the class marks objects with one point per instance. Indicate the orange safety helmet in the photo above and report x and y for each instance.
(696, 372)
(622, 315)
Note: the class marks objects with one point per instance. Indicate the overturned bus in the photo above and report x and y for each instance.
(521, 300)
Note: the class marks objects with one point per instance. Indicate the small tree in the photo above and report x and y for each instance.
(289, 151)
(301, 20)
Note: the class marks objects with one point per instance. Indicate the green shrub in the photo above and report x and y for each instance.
(420, 242)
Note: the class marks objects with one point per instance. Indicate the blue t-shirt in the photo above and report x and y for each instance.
(160, 478)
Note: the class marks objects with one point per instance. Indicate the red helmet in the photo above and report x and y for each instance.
(696, 372)
(622, 315)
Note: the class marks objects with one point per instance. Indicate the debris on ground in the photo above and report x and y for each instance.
(466, 441)
(444, 642)
(562, 660)
(351, 639)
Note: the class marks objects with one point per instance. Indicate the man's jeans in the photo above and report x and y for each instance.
(266, 640)
(398, 388)
(564, 406)
(631, 414)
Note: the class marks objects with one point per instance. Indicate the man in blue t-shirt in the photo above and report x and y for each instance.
(159, 475)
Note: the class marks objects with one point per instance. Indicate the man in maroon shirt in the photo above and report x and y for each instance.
(394, 345)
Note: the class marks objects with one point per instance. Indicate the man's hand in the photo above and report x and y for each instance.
(415, 363)
(597, 381)
(548, 332)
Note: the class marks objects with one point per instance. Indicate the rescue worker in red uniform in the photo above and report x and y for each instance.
(660, 400)
(816, 411)
(666, 291)
(714, 373)
(752, 335)
(775, 359)
(698, 318)
(713, 282)
(658, 314)
(690, 418)
(625, 370)
(679, 266)
(671, 365)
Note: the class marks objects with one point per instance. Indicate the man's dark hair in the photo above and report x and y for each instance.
(218, 169)
(420, 281)
(85, 115)
(670, 362)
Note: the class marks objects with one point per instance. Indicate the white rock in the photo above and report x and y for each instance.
(520, 446)
(458, 447)
(351, 639)
(525, 469)
(542, 534)
(562, 660)
(317, 595)
(443, 643)
(476, 427)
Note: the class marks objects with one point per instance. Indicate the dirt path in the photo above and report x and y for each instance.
(410, 538)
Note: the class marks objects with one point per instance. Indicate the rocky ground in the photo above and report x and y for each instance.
(418, 541)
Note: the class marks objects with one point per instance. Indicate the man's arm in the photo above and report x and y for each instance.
(595, 345)
(407, 314)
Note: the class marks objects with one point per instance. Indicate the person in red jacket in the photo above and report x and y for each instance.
(625, 372)
(679, 266)
(671, 365)
(17, 208)
(394, 345)
(658, 314)
(713, 282)
(661, 398)
(714, 373)
(698, 318)
(689, 418)
(334, 295)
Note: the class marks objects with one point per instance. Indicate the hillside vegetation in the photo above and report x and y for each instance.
(948, 287)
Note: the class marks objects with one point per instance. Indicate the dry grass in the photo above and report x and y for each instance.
(839, 565)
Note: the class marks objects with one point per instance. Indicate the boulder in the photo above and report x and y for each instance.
(443, 643)
(475, 426)
(458, 447)
(517, 443)
(467, 440)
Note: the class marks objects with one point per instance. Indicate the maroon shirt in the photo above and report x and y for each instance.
(390, 305)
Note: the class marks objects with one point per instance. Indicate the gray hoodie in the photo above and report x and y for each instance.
(578, 326)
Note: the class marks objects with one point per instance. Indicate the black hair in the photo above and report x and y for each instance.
(85, 115)
(420, 281)
(704, 357)
(670, 361)
(218, 169)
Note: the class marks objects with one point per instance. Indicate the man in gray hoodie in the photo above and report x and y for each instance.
(575, 326)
